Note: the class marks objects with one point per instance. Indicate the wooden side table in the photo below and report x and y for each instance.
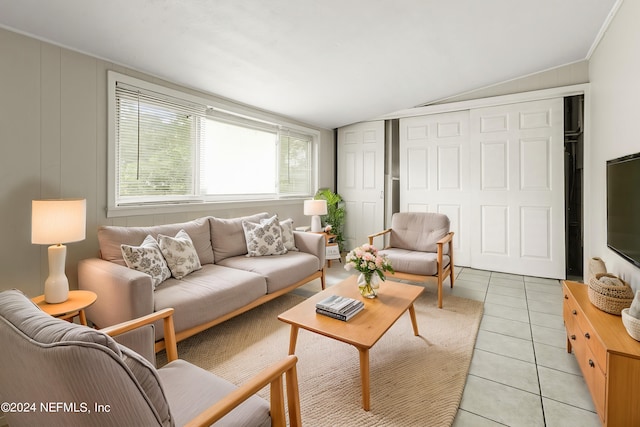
(72, 307)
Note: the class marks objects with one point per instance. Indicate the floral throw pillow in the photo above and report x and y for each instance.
(287, 233)
(147, 258)
(264, 238)
(180, 254)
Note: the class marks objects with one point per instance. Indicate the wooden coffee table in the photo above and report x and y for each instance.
(364, 329)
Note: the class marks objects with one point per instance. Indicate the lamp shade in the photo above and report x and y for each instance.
(58, 221)
(315, 207)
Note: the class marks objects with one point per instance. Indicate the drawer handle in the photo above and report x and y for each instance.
(573, 337)
(591, 363)
(566, 296)
(587, 336)
(574, 312)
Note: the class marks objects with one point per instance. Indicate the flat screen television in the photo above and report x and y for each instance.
(623, 207)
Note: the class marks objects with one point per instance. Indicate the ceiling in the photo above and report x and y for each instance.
(326, 63)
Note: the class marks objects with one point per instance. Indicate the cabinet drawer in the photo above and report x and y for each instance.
(577, 324)
(591, 338)
(594, 377)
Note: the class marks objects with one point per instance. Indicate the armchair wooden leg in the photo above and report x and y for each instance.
(451, 275)
(439, 291)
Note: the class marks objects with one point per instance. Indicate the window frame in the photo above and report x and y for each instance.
(220, 107)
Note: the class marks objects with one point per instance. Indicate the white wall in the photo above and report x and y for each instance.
(614, 71)
(53, 139)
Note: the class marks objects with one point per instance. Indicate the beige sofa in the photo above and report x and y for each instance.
(228, 283)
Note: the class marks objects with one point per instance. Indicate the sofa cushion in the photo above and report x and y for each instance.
(190, 390)
(227, 235)
(207, 294)
(414, 262)
(180, 254)
(264, 238)
(111, 237)
(280, 271)
(147, 258)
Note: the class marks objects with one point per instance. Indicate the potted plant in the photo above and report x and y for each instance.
(335, 214)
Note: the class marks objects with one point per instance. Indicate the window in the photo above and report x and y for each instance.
(173, 148)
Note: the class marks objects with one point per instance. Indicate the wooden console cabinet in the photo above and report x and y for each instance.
(608, 357)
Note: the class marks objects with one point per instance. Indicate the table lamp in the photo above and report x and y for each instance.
(315, 208)
(54, 222)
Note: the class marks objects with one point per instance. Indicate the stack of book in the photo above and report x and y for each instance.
(341, 308)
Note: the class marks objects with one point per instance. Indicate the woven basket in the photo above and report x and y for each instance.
(631, 324)
(612, 299)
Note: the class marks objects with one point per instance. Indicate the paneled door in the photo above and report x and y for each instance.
(361, 180)
(497, 173)
(434, 171)
(517, 188)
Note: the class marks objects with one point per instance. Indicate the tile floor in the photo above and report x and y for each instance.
(521, 373)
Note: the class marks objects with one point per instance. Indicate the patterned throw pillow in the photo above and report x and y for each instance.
(264, 238)
(147, 258)
(287, 233)
(180, 254)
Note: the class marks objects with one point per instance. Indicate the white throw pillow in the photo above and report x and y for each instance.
(180, 254)
(287, 233)
(264, 238)
(147, 258)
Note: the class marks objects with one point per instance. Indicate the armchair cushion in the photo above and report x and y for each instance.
(147, 376)
(414, 262)
(44, 329)
(190, 389)
(417, 231)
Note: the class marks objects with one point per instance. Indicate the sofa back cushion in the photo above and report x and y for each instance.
(111, 237)
(227, 235)
(418, 231)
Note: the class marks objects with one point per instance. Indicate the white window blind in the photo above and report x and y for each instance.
(156, 144)
(169, 150)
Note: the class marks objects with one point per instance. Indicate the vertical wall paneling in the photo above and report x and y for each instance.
(53, 137)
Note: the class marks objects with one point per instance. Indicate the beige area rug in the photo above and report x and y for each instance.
(415, 381)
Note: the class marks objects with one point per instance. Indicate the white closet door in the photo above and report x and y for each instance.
(517, 188)
(434, 172)
(361, 180)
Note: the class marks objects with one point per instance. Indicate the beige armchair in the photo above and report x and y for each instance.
(57, 373)
(420, 246)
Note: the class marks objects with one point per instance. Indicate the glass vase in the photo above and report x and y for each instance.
(368, 285)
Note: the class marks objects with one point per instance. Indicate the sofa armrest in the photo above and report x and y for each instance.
(311, 243)
(123, 293)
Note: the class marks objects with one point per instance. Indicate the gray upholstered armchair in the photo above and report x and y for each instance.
(420, 246)
(57, 373)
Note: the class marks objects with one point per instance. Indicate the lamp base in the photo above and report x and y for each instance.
(316, 226)
(56, 287)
